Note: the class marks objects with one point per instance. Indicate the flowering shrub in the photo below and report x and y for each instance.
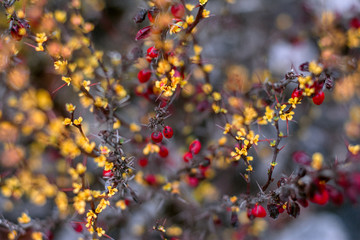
(149, 143)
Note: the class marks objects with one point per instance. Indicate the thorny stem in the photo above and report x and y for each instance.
(275, 154)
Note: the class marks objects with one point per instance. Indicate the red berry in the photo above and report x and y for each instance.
(297, 93)
(319, 98)
(303, 202)
(127, 202)
(195, 147)
(320, 197)
(144, 75)
(152, 52)
(336, 196)
(178, 10)
(107, 174)
(143, 162)
(164, 152)
(150, 179)
(187, 156)
(281, 209)
(258, 211)
(77, 227)
(156, 137)
(151, 17)
(168, 132)
(355, 23)
(193, 181)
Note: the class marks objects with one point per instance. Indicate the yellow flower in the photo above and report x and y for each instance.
(77, 187)
(39, 47)
(202, 2)
(41, 37)
(36, 236)
(61, 66)
(151, 148)
(100, 160)
(354, 149)
(80, 168)
(134, 127)
(67, 121)
(249, 168)
(317, 161)
(104, 150)
(60, 16)
(12, 235)
(66, 79)
(108, 166)
(205, 13)
(78, 121)
(70, 108)
(121, 204)
(24, 219)
(315, 68)
(189, 6)
(100, 231)
(112, 191)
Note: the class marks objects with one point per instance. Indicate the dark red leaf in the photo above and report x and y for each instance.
(143, 33)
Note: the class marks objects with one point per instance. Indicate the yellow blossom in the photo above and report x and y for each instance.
(205, 13)
(60, 16)
(151, 148)
(66, 79)
(112, 191)
(121, 204)
(61, 66)
(80, 168)
(108, 166)
(104, 150)
(100, 231)
(36, 236)
(70, 108)
(67, 121)
(41, 37)
(24, 219)
(189, 6)
(317, 161)
(202, 2)
(354, 149)
(12, 235)
(134, 127)
(315, 68)
(78, 121)
(100, 160)
(249, 168)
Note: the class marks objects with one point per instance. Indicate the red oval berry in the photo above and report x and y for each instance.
(151, 17)
(178, 10)
(163, 152)
(77, 227)
(144, 75)
(319, 98)
(152, 52)
(156, 137)
(297, 93)
(143, 162)
(187, 156)
(193, 181)
(355, 23)
(107, 174)
(168, 132)
(258, 211)
(195, 147)
(321, 197)
(150, 179)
